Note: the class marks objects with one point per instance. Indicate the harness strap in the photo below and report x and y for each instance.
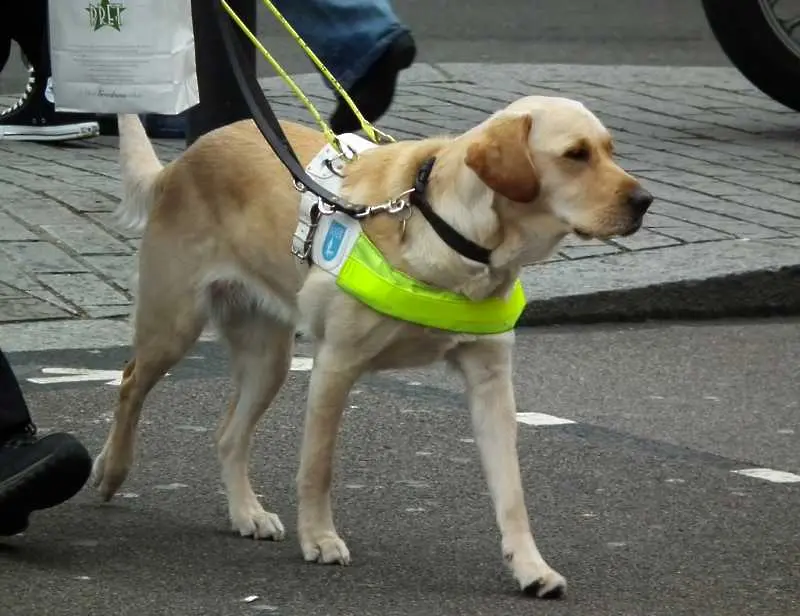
(269, 125)
(265, 118)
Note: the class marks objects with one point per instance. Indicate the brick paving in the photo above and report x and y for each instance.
(722, 159)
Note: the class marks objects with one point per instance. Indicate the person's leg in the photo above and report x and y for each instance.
(349, 36)
(221, 101)
(33, 117)
(14, 416)
(35, 473)
(5, 44)
(363, 43)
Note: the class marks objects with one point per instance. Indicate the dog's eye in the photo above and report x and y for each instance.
(580, 153)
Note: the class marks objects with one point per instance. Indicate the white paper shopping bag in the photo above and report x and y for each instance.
(123, 56)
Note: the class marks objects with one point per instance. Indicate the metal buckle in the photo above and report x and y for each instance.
(303, 237)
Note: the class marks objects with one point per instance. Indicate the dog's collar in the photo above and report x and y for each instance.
(336, 244)
(462, 245)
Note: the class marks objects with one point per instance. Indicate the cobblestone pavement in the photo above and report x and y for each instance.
(722, 160)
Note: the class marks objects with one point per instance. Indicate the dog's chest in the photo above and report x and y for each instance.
(417, 349)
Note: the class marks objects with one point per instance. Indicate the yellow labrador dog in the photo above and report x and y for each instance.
(218, 225)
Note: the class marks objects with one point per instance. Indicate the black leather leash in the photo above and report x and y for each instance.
(267, 122)
(265, 118)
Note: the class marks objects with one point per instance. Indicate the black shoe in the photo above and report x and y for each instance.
(373, 93)
(38, 473)
(34, 117)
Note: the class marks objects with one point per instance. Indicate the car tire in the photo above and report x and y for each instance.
(744, 30)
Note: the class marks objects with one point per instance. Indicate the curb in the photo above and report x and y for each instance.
(730, 278)
(750, 294)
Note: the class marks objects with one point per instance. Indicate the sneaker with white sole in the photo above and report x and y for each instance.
(34, 117)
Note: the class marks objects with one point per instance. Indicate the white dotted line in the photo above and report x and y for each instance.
(766, 474)
(769, 474)
(541, 419)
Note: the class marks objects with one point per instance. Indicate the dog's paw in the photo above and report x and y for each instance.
(535, 577)
(547, 585)
(325, 547)
(107, 477)
(253, 521)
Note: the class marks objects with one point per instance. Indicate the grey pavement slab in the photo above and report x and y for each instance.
(636, 503)
(721, 158)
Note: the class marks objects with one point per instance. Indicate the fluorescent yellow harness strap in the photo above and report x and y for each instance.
(369, 277)
(341, 248)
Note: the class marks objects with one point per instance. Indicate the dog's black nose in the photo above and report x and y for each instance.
(639, 200)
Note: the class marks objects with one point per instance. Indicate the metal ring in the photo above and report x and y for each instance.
(348, 153)
(395, 207)
(325, 208)
(331, 168)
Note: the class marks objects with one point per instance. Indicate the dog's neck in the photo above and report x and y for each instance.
(462, 200)
(515, 237)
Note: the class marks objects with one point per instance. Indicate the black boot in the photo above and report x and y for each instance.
(373, 93)
(38, 473)
(34, 117)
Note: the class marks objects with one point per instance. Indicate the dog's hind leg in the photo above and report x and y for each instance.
(261, 353)
(169, 319)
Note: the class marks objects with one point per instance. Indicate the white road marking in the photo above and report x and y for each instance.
(541, 419)
(171, 486)
(769, 474)
(114, 377)
(193, 428)
(77, 375)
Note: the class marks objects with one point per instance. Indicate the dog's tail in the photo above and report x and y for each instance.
(140, 169)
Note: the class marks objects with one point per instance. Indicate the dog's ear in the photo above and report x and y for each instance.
(500, 157)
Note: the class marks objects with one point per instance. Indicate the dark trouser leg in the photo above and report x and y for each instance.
(221, 102)
(14, 415)
(26, 23)
(5, 44)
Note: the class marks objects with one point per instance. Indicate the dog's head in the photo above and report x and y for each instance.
(554, 155)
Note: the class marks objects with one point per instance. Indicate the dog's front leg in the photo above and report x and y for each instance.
(486, 366)
(328, 390)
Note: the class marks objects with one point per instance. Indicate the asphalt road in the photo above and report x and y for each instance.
(662, 32)
(635, 503)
